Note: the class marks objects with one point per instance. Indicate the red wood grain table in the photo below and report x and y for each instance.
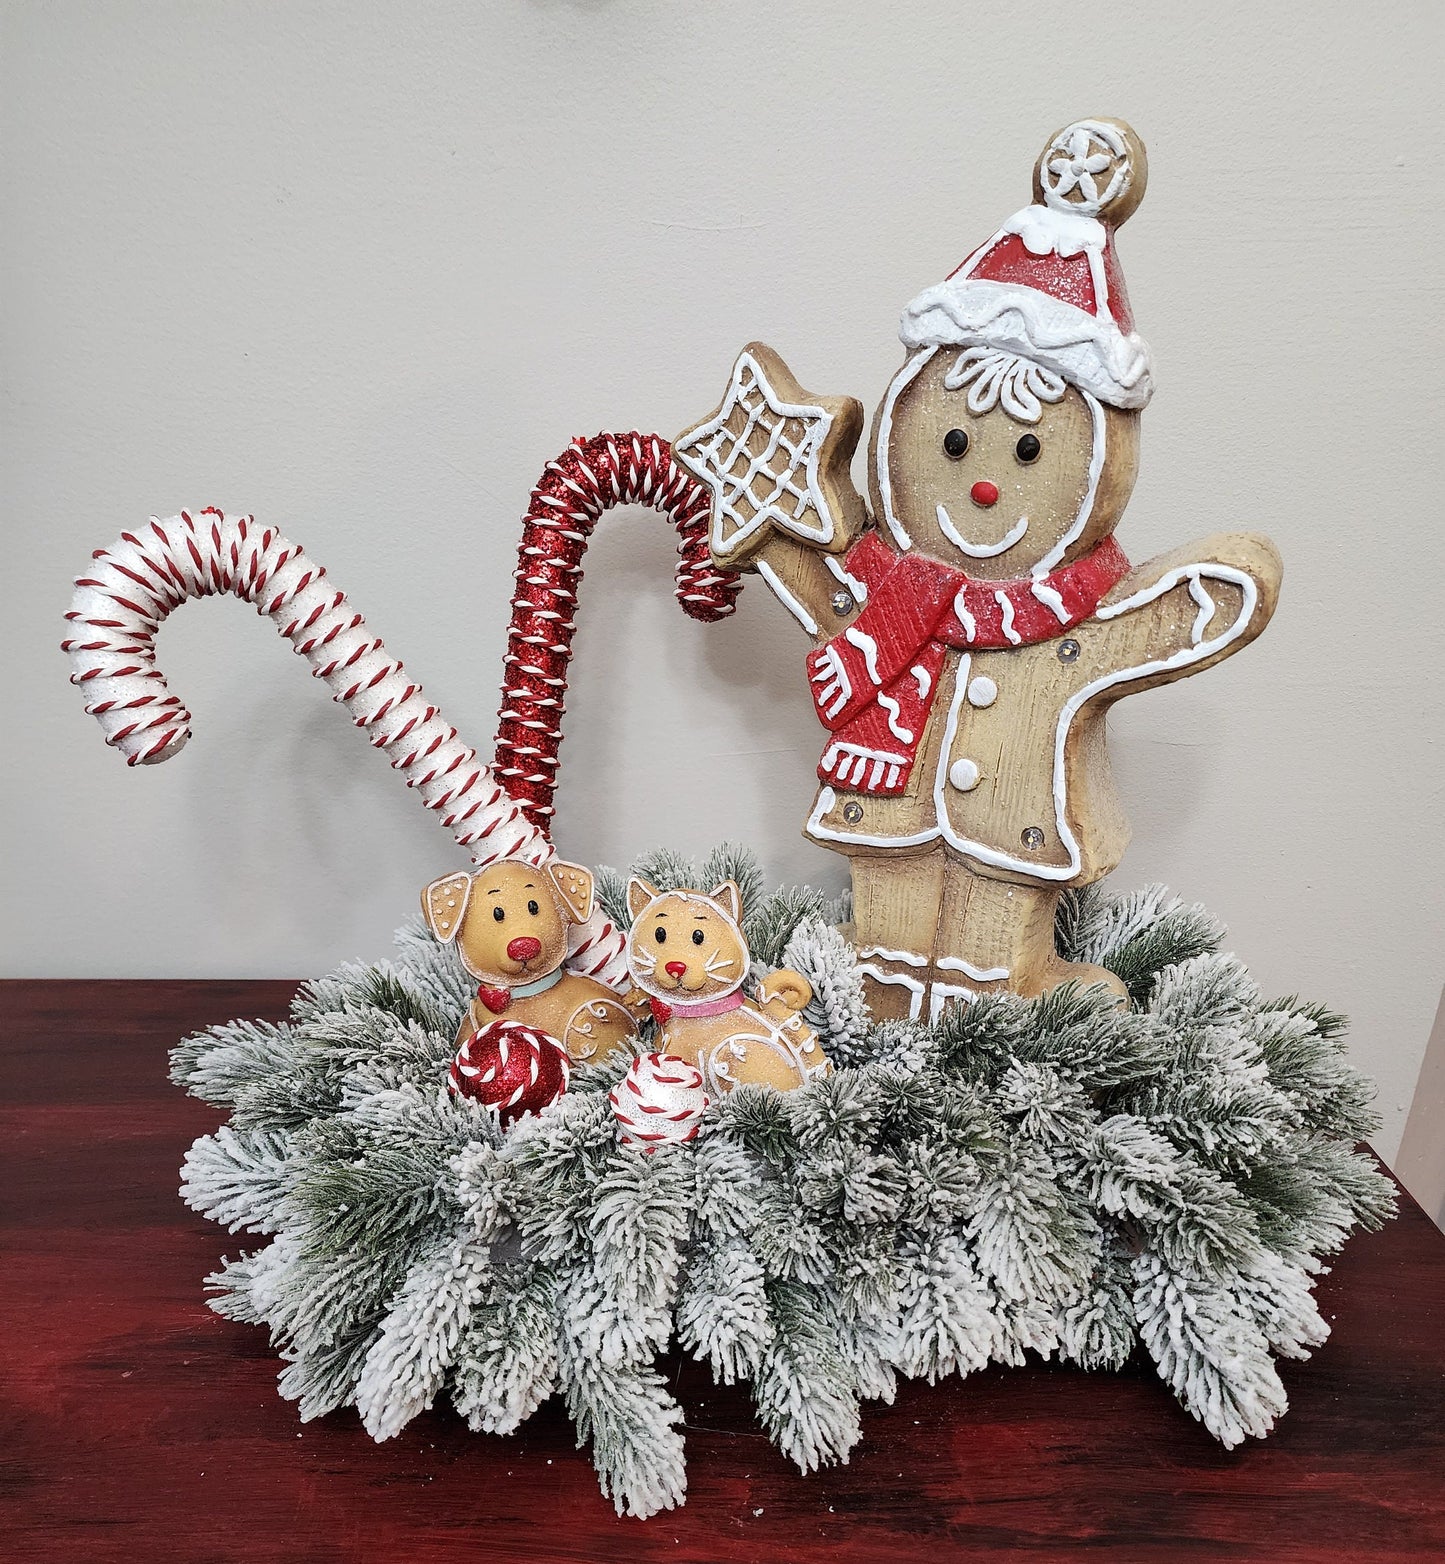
(137, 1425)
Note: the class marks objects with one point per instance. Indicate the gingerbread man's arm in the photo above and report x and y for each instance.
(1181, 613)
(775, 460)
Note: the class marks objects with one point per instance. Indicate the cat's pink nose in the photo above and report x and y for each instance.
(675, 968)
(524, 948)
(984, 493)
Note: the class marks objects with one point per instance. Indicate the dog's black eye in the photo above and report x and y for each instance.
(499, 913)
(533, 908)
(697, 936)
(660, 935)
(1028, 448)
(955, 444)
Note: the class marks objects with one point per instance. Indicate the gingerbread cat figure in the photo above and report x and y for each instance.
(972, 634)
(510, 922)
(687, 953)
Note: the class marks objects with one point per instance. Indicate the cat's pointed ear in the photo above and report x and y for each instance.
(729, 898)
(444, 905)
(639, 893)
(573, 884)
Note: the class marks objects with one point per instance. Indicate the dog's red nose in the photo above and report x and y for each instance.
(675, 968)
(524, 948)
(984, 493)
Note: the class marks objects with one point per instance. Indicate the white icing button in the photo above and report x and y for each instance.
(982, 691)
(963, 774)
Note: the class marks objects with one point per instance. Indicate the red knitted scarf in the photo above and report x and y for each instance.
(873, 685)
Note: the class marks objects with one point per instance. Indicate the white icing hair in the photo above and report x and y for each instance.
(993, 376)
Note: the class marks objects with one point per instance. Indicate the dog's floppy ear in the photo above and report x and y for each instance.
(443, 904)
(639, 893)
(573, 885)
(729, 898)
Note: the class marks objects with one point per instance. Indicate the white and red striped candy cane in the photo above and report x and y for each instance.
(589, 477)
(133, 585)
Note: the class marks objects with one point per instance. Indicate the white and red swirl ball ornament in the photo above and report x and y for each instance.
(513, 1068)
(659, 1102)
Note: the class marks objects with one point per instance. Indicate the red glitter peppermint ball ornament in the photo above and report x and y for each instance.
(513, 1068)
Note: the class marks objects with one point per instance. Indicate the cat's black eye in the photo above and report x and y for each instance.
(955, 444)
(499, 913)
(533, 908)
(660, 935)
(1028, 448)
(697, 936)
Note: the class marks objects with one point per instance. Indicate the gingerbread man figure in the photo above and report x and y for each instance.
(973, 631)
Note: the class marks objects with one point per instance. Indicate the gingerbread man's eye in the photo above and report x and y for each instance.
(1028, 448)
(697, 936)
(955, 444)
(660, 935)
(499, 913)
(533, 908)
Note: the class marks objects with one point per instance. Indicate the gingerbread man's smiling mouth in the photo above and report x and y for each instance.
(981, 550)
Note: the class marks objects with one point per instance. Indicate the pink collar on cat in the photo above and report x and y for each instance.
(664, 1009)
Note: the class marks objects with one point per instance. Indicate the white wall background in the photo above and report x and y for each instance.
(362, 268)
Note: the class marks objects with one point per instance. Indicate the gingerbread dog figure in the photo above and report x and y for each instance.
(510, 923)
(973, 632)
(686, 951)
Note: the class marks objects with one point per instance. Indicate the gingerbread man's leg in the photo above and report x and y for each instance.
(996, 934)
(896, 901)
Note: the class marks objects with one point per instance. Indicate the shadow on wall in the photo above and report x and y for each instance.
(1421, 1162)
(701, 730)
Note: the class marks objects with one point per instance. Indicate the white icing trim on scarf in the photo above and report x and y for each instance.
(893, 711)
(1051, 600)
(869, 648)
(966, 619)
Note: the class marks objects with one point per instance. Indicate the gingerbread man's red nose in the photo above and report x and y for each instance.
(675, 968)
(524, 948)
(984, 493)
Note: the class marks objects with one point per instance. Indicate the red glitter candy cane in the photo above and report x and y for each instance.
(588, 478)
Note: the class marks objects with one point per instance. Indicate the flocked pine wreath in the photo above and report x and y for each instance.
(1058, 1175)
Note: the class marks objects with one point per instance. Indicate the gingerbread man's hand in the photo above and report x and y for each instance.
(775, 460)
(1183, 612)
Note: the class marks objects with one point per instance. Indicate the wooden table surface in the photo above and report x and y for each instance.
(137, 1425)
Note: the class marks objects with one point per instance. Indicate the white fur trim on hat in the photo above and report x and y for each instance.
(1090, 353)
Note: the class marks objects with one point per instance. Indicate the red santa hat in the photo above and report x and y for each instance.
(1047, 286)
